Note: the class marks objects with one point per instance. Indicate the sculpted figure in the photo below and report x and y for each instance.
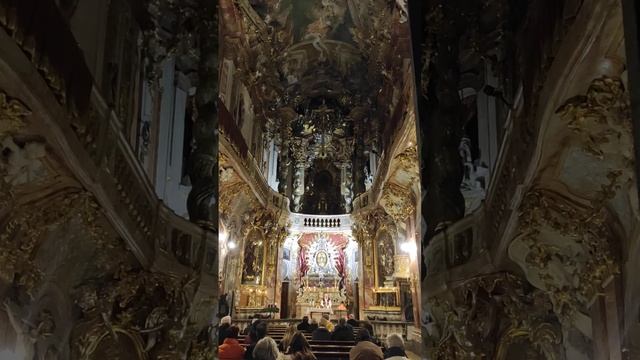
(25, 341)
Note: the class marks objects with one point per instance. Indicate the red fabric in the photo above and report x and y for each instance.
(338, 240)
(340, 267)
(303, 267)
(230, 350)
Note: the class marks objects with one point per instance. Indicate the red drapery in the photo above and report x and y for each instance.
(341, 267)
(303, 267)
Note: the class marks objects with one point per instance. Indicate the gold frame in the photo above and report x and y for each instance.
(387, 290)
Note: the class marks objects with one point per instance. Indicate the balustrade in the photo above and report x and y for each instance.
(304, 222)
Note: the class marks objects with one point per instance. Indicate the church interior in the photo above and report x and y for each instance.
(318, 158)
(319, 179)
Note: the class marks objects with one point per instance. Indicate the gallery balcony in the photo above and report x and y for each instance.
(320, 223)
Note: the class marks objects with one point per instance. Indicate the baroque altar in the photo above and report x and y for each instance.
(322, 274)
(319, 298)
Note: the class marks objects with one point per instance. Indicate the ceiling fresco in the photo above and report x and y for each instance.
(308, 19)
(323, 75)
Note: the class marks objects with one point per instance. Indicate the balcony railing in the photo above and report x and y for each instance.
(233, 140)
(303, 222)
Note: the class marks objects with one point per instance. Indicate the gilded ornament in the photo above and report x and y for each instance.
(12, 114)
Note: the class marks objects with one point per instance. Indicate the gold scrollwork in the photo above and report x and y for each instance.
(12, 114)
(600, 117)
(397, 201)
(470, 315)
(583, 227)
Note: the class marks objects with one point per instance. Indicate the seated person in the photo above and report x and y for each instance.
(343, 332)
(231, 348)
(286, 339)
(299, 348)
(352, 320)
(266, 349)
(367, 325)
(395, 348)
(365, 349)
(256, 333)
(304, 325)
(225, 323)
(321, 333)
(313, 325)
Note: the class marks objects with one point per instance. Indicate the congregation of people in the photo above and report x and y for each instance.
(306, 341)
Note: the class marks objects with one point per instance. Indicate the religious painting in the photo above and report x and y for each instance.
(385, 257)
(253, 263)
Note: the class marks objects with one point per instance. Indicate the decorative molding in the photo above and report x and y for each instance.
(12, 114)
(483, 316)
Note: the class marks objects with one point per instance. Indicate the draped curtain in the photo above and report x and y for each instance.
(341, 267)
(303, 267)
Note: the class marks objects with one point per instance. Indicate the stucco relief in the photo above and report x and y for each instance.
(570, 220)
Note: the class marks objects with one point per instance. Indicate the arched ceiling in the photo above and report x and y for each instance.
(322, 75)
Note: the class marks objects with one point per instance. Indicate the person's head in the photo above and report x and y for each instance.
(363, 335)
(367, 325)
(266, 349)
(261, 329)
(305, 319)
(342, 321)
(288, 334)
(258, 331)
(314, 322)
(395, 340)
(324, 322)
(233, 332)
(352, 317)
(299, 344)
(225, 320)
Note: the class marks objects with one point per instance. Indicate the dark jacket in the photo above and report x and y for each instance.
(222, 333)
(343, 333)
(248, 354)
(352, 322)
(321, 333)
(304, 326)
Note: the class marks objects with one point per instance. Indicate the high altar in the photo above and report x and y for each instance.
(322, 274)
(316, 300)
